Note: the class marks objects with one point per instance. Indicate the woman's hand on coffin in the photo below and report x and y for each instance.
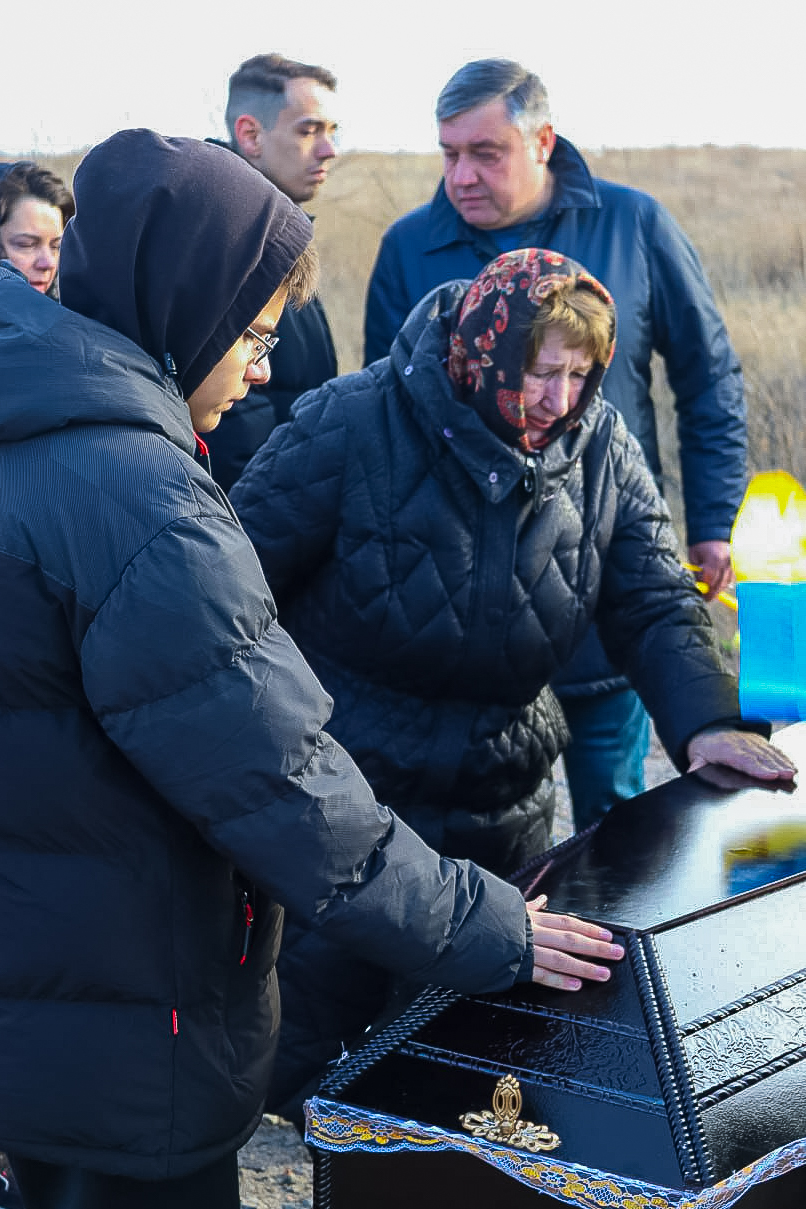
(744, 751)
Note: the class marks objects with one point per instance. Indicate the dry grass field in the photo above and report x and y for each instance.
(744, 209)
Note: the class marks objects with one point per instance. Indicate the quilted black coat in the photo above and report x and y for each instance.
(437, 580)
(165, 773)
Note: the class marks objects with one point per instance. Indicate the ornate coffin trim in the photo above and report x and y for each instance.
(504, 1123)
(337, 1128)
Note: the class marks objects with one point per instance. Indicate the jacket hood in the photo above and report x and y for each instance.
(490, 333)
(58, 369)
(177, 244)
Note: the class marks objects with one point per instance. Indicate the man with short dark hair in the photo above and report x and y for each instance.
(279, 117)
(280, 120)
(509, 182)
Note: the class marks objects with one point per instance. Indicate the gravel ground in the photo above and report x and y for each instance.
(276, 1169)
(276, 1166)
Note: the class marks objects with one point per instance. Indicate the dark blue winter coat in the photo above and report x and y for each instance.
(664, 303)
(164, 774)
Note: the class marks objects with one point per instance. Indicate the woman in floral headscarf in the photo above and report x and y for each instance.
(441, 531)
(523, 306)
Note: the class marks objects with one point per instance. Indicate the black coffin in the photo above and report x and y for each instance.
(680, 1082)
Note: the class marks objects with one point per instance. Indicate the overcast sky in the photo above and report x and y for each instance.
(619, 73)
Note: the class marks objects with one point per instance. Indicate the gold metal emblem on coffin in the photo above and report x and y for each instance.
(503, 1124)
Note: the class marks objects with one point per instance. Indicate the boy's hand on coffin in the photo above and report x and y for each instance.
(567, 949)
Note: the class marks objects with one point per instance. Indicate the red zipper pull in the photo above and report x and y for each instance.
(249, 919)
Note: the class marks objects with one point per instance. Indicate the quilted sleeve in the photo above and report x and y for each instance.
(652, 620)
(188, 672)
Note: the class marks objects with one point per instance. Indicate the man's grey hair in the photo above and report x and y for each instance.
(258, 87)
(485, 80)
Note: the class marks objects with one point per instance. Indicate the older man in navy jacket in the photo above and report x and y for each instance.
(510, 181)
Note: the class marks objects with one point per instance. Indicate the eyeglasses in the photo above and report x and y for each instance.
(263, 346)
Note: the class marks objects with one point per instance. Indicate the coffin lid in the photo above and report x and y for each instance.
(691, 1062)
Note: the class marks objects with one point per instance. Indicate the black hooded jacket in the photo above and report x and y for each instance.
(165, 769)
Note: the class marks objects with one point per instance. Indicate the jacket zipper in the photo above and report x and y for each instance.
(249, 920)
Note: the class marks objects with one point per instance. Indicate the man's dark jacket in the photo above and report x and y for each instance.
(664, 303)
(303, 360)
(164, 775)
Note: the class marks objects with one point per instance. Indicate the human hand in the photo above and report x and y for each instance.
(713, 562)
(743, 750)
(557, 937)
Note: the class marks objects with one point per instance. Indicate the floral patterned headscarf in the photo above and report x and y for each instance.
(490, 333)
